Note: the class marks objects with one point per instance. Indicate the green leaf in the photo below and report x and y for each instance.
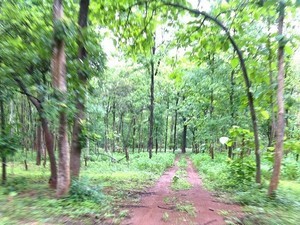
(234, 62)
(265, 114)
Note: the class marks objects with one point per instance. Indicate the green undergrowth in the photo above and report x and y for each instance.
(94, 198)
(179, 181)
(234, 180)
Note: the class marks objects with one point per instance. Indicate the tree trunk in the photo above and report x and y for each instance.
(280, 101)
(114, 126)
(272, 125)
(151, 107)
(231, 98)
(48, 136)
(58, 69)
(3, 158)
(211, 150)
(140, 133)
(76, 146)
(156, 140)
(175, 124)
(230, 152)
(167, 126)
(133, 134)
(39, 148)
(184, 133)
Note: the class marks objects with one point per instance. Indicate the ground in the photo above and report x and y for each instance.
(165, 204)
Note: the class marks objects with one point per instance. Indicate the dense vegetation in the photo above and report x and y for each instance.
(89, 91)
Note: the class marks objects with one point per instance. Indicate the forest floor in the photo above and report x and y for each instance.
(191, 205)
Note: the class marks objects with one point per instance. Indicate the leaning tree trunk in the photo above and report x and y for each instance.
(280, 102)
(76, 145)
(58, 69)
(48, 136)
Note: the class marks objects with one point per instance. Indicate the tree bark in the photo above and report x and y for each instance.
(114, 125)
(58, 70)
(133, 134)
(38, 145)
(280, 102)
(167, 126)
(175, 124)
(3, 158)
(272, 125)
(76, 146)
(156, 140)
(184, 133)
(151, 107)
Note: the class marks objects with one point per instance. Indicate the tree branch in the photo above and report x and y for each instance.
(34, 100)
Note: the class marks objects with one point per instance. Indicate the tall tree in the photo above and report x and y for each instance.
(280, 102)
(58, 69)
(151, 107)
(80, 98)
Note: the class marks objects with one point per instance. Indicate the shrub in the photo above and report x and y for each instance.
(83, 190)
(241, 172)
(290, 170)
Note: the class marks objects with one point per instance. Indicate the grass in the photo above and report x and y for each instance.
(186, 207)
(104, 185)
(179, 181)
(258, 207)
(165, 217)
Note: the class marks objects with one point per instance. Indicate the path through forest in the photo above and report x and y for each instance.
(195, 206)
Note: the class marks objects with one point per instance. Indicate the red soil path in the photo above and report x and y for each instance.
(161, 206)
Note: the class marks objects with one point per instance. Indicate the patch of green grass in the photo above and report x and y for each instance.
(179, 181)
(186, 207)
(182, 163)
(103, 185)
(290, 187)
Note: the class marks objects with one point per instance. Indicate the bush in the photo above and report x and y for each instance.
(241, 172)
(290, 170)
(83, 190)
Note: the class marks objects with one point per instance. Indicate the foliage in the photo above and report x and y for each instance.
(83, 190)
(8, 145)
(154, 166)
(241, 172)
(290, 169)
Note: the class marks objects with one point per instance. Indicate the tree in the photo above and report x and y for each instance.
(280, 102)
(3, 154)
(77, 135)
(28, 69)
(58, 69)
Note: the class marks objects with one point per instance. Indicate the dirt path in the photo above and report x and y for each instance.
(195, 206)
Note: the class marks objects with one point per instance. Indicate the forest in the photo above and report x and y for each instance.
(150, 112)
